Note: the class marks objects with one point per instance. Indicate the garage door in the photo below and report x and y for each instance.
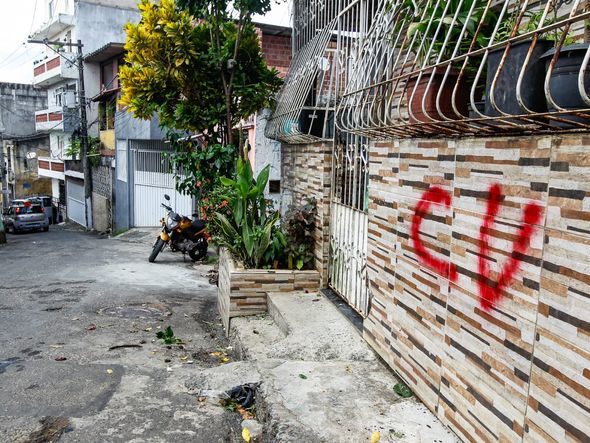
(75, 197)
(152, 178)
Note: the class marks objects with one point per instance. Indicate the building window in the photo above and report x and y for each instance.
(274, 186)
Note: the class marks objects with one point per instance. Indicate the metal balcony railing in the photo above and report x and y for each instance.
(406, 68)
(326, 38)
(470, 67)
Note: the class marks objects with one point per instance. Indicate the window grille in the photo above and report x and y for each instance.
(476, 67)
(327, 36)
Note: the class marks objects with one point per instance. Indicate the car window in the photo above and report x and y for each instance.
(33, 209)
(46, 201)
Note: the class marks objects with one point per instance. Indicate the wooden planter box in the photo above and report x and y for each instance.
(244, 291)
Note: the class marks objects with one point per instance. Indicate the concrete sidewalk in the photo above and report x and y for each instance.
(320, 381)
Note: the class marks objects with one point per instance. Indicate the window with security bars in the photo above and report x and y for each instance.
(473, 67)
(351, 171)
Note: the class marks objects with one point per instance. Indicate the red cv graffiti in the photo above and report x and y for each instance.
(490, 291)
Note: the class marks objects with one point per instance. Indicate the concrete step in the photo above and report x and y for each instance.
(321, 382)
(301, 326)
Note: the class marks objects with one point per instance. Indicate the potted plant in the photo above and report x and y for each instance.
(563, 77)
(426, 87)
(503, 95)
(255, 250)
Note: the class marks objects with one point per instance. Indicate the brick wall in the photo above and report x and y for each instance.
(499, 357)
(277, 52)
(306, 172)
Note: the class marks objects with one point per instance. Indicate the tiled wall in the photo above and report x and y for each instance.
(306, 172)
(519, 370)
(244, 291)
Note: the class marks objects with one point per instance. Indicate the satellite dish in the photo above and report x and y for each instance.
(31, 155)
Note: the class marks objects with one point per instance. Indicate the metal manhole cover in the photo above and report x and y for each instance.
(136, 311)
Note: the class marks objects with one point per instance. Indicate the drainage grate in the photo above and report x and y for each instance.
(136, 311)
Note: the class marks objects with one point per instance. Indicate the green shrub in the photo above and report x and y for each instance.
(251, 226)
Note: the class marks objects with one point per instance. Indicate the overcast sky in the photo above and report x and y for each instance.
(18, 18)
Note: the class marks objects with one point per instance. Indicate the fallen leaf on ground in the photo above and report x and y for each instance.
(184, 357)
(60, 359)
(246, 415)
(109, 371)
(376, 437)
(75, 318)
(56, 346)
(224, 360)
(303, 376)
(348, 369)
(91, 327)
(246, 435)
(148, 329)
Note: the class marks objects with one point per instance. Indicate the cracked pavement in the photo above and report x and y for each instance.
(66, 299)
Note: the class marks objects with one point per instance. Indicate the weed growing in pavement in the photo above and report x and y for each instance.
(168, 338)
(402, 390)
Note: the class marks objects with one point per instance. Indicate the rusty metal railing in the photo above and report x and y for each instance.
(478, 67)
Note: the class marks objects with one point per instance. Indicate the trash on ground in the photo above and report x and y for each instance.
(109, 371)
(60, 359)
(91, 327)
(376, 437)
(246, 435)
(112, 348)
(244, 395)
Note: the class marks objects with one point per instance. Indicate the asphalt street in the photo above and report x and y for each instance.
(79, 358)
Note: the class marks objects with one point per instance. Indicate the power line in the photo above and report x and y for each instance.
(21, 46)
(33, 19)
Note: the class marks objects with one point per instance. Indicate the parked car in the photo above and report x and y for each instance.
(46, 202)
(27, 217)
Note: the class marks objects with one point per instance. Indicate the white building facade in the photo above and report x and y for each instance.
(94, 23)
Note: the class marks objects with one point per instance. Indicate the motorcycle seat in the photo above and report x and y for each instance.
(198, 225)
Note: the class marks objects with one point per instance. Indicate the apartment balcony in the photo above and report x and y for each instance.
(55, 25)
(51, 168)
(54, 70)
(57, 119)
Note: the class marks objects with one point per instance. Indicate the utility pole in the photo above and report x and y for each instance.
(83, 124)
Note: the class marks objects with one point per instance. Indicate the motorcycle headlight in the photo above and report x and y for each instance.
(171, 223)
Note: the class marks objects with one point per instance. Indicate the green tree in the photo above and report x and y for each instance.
(201, 71)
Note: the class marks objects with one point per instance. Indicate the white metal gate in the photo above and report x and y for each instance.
(152, 178)
(76, 209)
(349, 221)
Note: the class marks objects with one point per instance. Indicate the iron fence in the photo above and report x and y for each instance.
(407, 68)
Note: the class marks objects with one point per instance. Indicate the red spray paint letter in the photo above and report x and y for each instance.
(432, 195)
(490, 292)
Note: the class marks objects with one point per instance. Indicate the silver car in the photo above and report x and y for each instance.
(27, 217)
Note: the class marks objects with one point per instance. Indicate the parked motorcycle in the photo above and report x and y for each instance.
(182, 235)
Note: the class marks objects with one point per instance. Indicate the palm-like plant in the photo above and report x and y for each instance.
(248, 231)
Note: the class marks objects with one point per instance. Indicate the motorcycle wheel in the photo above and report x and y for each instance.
(157, 249)
(199, 252)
